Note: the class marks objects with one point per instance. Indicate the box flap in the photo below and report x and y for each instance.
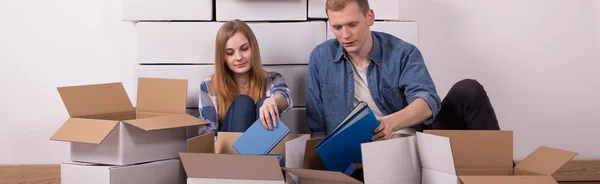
(294, 151)
(95, 99)
(226, 166)
(166, 122)
(479, 149)
(507, 179)
(312, 160)
(202, 144)
(84, 130)
(389, 159)
(436, 153)
(225, 141)
(162, 95)
(545, 160)
(321, 175)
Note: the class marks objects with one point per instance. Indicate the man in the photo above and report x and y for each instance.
(387, 73)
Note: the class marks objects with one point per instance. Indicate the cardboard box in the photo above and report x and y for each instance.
(177, 42)
(135, 10)
(222, 144)
(288, 43)
(261, 10)
(159, 172)
(294, 75)
(194, 42)
(407, 31)
(104, 127)
(296, 120)
(307, 176)
(392, 161)
(206, 168)
(483, 157)
(383, 9)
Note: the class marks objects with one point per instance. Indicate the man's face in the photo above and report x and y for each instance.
(351, 27)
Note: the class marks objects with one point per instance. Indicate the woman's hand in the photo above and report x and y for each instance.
(268, 113)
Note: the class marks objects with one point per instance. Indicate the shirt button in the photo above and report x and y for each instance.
(350, 109)
(351, 91)
(350, 71)
(394, 89)
(322, 89)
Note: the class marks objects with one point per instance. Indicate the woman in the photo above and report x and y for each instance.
(240, 91)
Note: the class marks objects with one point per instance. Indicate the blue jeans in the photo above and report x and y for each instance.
(242, 113)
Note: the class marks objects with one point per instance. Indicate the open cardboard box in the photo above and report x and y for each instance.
(390, 161)
(104, 127)
(221, 155)
(480, 156)
(210, 168)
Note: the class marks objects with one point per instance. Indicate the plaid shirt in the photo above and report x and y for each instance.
(208, 100)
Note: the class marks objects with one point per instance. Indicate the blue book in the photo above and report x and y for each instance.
(259, 141)
(342, 147)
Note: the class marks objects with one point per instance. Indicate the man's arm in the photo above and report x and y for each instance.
(314, 103)
(420, 92)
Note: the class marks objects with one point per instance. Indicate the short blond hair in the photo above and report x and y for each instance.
(337, 5)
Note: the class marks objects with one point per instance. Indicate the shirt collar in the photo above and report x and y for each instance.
(376, 52)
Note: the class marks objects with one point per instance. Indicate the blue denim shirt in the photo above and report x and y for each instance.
(396, 76)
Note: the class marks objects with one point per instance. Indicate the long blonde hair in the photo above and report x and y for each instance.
(225, 87)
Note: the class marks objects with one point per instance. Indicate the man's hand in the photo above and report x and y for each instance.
(384, 130)
(268, 113)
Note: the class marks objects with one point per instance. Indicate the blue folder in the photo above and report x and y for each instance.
(342, 147)
(259, 141)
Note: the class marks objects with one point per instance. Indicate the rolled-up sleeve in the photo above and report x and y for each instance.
(417, 82)
(281, 87)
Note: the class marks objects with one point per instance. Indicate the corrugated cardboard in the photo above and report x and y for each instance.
(261, 10)
(383, 9)
(159, 172)
(454, 156)
(226, 168)
(306, 176)
(104, 128)
(392, 161)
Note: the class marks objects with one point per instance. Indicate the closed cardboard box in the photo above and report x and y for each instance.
(136, 10)
(159, 172)
(261, 10)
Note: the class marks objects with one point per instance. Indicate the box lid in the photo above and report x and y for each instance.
(95, 99)
(161, 95)
(84, 130)
(166, 122)
(507, 179)
(226, 166)
(479, 149)
(317, 176)
(545, 160)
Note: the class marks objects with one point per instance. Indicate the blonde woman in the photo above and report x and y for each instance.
(240, 91)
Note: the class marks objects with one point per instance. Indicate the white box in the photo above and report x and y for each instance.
(383, 9)
(134, 10)
(288, 43)
(160, 172)
(177, 42)
(294, 75)
(261, 10)
(194, 42)
(407, 31)
(105, 128)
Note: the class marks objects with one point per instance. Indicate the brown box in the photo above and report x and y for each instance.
(480, 156)
(104, 127)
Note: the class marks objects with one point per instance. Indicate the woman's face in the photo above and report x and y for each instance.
(238, 54)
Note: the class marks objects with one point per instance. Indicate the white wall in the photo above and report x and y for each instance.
(45, 44)
(537, 59)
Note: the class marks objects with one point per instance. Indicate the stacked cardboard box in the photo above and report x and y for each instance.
(111, 142)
